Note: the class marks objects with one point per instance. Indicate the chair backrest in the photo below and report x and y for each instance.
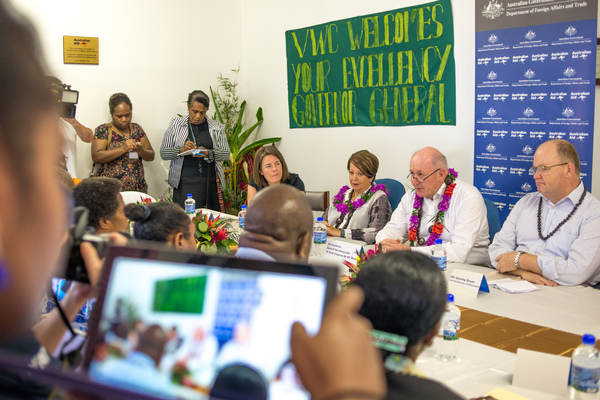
(319, 201)
(493, 217)
(395, 188)
(135, 197)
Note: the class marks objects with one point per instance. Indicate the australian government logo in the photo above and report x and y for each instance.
(492, 75)
(568, 112)
(526, 187)
(569, 72)
(490, 148)
(528, 112)
(530, 35)
(491, 112)
(571, 31)
(492, 39)
(527, 150)
(493, 10)
(529, 74)
(490, 184)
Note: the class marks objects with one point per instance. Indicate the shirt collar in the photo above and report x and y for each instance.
(574, 196)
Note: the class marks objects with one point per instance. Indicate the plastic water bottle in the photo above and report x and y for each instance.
(585, 371)
(242, 216)
(448, 335)
(438, 254)
(190, 204)
(319, 237)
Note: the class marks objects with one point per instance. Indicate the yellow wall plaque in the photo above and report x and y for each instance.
(80, 50)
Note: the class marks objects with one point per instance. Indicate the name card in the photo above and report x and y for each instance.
(467, 283)
(341, 250)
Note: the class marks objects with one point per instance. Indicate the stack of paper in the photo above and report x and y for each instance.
(513, 286)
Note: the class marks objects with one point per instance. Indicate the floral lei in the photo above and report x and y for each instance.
(351, 206)
(438, 224)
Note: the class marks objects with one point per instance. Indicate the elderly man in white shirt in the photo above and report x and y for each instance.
(440, 206)
(552, 236)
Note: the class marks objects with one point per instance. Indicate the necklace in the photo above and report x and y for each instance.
(561, 223)
(437, 228)
(349, 206)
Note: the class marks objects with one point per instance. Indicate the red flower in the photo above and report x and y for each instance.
(412, 235)
(242, 185)
(437, 228)
(221, 234)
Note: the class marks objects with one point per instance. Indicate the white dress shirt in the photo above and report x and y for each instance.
(466, 232)
(572, 255)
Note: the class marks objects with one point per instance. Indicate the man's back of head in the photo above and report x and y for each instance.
(279, 222)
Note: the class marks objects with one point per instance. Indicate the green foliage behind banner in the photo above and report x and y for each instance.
(392, 68)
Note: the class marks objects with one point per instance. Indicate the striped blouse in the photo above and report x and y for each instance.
(176, 136)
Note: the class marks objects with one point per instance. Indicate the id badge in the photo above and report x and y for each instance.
(133, 155)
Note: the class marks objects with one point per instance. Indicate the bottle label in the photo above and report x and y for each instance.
(190, 208)
(320, 237)
(451, 329)
(241, 221)
(584, 379)
(440, 261)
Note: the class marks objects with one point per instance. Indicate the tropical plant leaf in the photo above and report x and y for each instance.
(216, 104)
(258, 143)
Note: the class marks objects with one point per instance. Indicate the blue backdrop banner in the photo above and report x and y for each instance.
(533, 83)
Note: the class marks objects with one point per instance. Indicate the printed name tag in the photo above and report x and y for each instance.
(467, 283)
(133, 155)
(341, 250)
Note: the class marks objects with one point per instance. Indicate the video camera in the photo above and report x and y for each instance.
(67, 99)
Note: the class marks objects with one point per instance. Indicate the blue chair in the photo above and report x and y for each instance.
(493, 217)
(395, 188)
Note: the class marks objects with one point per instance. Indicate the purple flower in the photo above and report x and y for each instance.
(452, 171)
(444, 204)
(414, 220)
(359, 202)
(343, 208)
(417, 203)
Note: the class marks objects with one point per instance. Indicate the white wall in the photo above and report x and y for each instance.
(154, 52)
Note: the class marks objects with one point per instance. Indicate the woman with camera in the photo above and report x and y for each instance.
(120, 146)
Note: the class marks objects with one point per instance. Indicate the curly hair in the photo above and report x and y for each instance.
(100, 196)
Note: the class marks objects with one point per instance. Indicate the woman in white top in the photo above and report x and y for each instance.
(362, 209)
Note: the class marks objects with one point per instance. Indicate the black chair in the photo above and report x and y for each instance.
(319, 201)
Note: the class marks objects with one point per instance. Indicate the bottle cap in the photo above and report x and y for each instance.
(438, 241)
(243, 206)
(450, 298)
(189, 195)
(588, 339)
(319, 219)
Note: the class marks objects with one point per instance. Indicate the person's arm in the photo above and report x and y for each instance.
(251, 193)
(533, 277)
(169, 150)
(85, 134)
(220, 150)
(379, 215)
(397, 228)
(328, 362)
(100, 152)
(143, 147)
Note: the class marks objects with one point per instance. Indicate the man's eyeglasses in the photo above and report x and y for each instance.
(543, 168)
(419, 177)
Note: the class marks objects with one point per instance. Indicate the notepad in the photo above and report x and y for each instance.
(513, 286)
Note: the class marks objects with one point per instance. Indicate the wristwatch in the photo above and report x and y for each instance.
(517, 257)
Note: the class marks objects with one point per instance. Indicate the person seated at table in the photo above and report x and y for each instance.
(270, 169)
(405, 295)
(102, 196)
(279, 225)
(362, 211)
(162, 222)
(551, 236)
(440, 206)
(120, 146)
(28, 125)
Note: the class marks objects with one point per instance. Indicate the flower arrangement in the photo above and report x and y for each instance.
(437, 228)
(213, 235)
(351, 206)
(180, 373)
(361, 257)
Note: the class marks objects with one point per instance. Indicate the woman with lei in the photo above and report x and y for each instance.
(362, 209)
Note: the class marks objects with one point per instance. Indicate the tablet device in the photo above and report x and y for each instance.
(178, 325)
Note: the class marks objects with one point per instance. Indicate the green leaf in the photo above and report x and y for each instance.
(258, 143)
(216, 104)
(202, 226)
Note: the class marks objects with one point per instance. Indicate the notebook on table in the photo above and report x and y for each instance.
(170, 324)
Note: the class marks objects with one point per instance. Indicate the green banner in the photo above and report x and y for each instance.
(393, 68)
